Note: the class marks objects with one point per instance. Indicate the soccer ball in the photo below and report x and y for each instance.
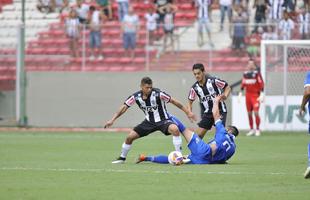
(175, 158)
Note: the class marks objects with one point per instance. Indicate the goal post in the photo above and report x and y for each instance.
(284, 64)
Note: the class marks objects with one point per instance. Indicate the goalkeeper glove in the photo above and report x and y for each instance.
(239, 97)
(261, 97)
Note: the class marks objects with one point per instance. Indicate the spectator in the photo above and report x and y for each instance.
(151, 23)
(73, 32)
(239, 30)
(289, 5)
(225, 6)
(307, 5)
(130, 29)
(82, 10)
(95, 19)
(123, 6)
(45, 6)
(270, 34)
(253, 42)
(203, 21)
(161, 6)
(60, 5)
(260, 13)
(286, 26)
(304, 21)
(106, 8)
(168, 25)
(275, 10)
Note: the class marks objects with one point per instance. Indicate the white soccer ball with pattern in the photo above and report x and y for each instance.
(175, 158)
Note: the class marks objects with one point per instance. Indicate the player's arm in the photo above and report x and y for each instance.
(226, 93)
(304, 101)
(241, 89)
(215, 109)
(261, 85)
(223, 86)
(189, 113)
(191, 98)
(220, 129)
(120, 111)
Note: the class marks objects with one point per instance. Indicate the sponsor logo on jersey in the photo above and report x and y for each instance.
(207, 98)
(250, 81)
(149, 108)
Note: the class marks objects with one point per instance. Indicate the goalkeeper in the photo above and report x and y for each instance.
(253, 84)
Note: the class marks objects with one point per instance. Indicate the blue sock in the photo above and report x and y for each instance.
(309, 154)
(180, 125)
(158, 159)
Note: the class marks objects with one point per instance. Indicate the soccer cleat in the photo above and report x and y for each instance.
(141, 158)
(119, 160)
(307, 173)
(257, 133)
(251, 132)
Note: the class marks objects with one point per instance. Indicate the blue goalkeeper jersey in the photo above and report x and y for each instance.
(201, 152)
(225, 143)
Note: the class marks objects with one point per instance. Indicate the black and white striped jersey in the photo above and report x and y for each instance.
(207, 92)
(154, 107)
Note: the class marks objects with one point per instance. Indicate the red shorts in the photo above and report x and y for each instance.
(252, 104)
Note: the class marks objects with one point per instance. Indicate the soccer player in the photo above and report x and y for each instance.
(253, 84)
(206, 88)
(302, 110)
(217, 151)
(152, 102)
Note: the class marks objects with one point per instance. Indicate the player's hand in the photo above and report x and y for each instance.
(192, 117)
(239, 97)
(261, 98)
(108, 124)
(302, 111)
(218, 98)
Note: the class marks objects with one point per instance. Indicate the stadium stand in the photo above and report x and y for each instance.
(47, 45)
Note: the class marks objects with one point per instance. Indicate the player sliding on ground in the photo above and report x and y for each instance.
(217, 151)
(152, 102)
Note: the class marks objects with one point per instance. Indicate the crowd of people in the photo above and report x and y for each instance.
(271, 19)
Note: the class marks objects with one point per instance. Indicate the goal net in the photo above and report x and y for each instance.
(284, 65)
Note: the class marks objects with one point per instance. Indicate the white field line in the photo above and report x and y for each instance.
(143, 171)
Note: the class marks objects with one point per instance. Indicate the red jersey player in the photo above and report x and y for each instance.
(253, 84)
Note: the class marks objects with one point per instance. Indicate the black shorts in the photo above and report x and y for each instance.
(146, 127)
(207, 120)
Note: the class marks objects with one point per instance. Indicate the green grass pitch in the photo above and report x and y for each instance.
(46, 166)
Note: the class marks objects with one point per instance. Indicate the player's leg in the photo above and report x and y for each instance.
(176, 137)
(126, 146)
(185, 132)
(257, 117)
(307, 172)
(204, 125)
(162, 159)
(141, 130)
(250, 115)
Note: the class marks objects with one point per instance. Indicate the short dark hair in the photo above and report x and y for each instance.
(199, 66)
(92, 8)
(235, 130)
(146, 80)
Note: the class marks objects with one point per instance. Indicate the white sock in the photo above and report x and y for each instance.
(125, 150)
(177, 142)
